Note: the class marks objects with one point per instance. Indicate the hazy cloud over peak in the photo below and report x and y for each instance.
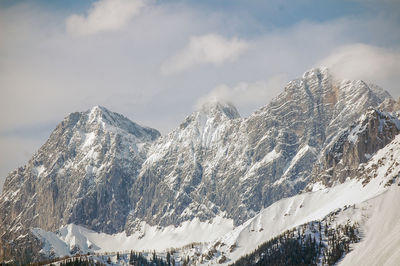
(364, 62)
(104, 15)
(209, 48)
(246, 95)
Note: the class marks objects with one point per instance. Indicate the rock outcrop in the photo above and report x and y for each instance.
(355, 146)
(390, 105)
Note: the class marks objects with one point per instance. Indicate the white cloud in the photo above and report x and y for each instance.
(19, 151)
(105, 15)
(209, 48)
(364, 62)
(45, 73)
(244, 94)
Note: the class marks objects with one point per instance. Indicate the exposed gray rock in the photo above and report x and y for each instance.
(356, 145)
(81, 175)
(102, 171)
(220, 164)
(390, 105)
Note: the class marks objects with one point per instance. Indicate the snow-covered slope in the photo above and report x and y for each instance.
(105, 173)
(375, 194)
(72, 239)
(372, 205)
(381, 242)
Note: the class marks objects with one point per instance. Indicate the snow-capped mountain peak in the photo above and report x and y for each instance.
(100, 114)
(108, 120)
(207, 118)
(316, 71)
(90, 160)
(205, 126)
(215, 108)
(104, 172)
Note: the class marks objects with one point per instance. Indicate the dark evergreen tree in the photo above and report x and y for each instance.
(131, 258)
(168, 258)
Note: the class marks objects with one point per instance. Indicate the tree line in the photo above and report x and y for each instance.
(309, 244)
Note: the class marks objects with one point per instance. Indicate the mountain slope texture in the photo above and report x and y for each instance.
(103, 183)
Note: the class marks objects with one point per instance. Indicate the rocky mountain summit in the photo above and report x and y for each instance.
(216, 163)
(102, 171)
(81, 175)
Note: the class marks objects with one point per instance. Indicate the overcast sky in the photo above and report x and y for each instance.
(155, 61)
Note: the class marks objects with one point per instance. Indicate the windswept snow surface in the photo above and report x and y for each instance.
(151, 238)
(377, 201)
(375, 205)
(288, 213)
(381, 243)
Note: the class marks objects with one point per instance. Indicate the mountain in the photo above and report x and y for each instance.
(176, 178)
(81, 175)
(365, 202)
(216, 163)
(104, 183)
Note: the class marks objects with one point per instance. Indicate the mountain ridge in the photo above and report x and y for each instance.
(90, 157)
(215, 164)
(266, 156)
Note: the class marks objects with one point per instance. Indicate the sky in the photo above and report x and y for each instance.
(157, 61)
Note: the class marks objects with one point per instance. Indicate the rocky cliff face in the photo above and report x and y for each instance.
(390, 105)
(81, 175)
(216, 163)
(355, 146)
(181, 177)
(102, 171)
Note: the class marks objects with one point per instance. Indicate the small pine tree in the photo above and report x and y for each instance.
(131, 257)
(168, 258)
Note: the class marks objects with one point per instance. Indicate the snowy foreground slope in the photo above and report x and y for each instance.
(374, 204)
(74, 237)
(376, 201)
(381, 243)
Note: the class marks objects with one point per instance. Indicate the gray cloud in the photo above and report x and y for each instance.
(46, 72)
(366, 62)
(105, 15)
(209, 48)
(246, 95)
(16, 152)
